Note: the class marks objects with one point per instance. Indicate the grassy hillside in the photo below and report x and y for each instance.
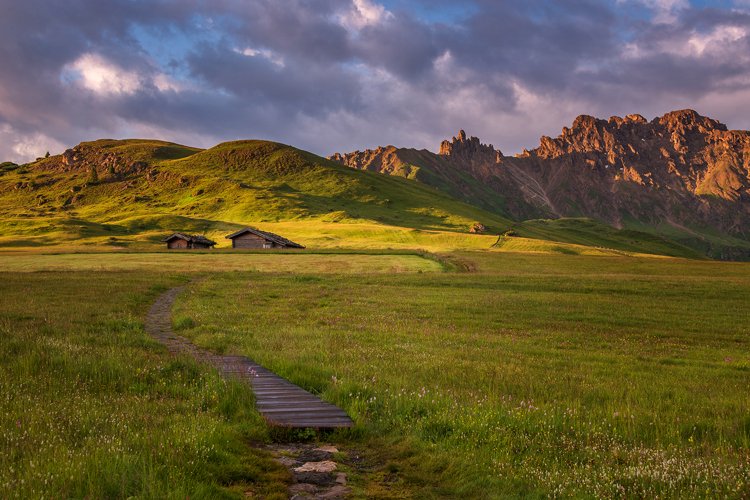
(213, 191)
(131, 193)
(591, 233)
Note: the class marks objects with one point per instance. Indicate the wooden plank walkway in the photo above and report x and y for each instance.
(278, 400)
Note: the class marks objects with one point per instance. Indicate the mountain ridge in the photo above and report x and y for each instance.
(681, 174)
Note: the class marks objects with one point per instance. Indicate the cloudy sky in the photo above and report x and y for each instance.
(340, 75)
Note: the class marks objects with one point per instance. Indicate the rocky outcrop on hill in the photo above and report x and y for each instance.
(680, 172)
(469, 151)
(93, 157)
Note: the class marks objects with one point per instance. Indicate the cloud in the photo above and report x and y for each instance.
(101, 76)
(716, 40)
(267, 54)
(23, 146)
(665, 11)
(364, 13)
(165, 83)
(331, 75)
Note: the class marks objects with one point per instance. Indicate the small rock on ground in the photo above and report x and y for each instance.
(326, 466)
(313, 469)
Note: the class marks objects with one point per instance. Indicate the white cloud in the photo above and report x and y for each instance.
(363, 13)
(264, 53)
(721, 35)
(723, 42)
(18, 147)
(104, 77)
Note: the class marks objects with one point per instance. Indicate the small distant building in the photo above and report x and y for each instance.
(252, 238)
(180, 241)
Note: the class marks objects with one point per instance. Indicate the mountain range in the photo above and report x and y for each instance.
(682, 176)
(677, 185)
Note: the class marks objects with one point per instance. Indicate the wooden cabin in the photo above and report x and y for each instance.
(252, 238)
(180, 241)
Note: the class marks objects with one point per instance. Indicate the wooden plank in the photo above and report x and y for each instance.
(293, 404)
(302, 409)
(285, 400)
(318, 421)
(313, 424)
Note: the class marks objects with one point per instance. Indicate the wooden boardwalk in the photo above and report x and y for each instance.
(278, 400)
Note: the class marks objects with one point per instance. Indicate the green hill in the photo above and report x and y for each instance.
(132, 193)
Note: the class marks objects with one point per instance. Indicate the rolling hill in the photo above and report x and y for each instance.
(131, 193)
(139, 189)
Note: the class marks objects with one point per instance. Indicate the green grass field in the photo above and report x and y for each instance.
(537, 374)
(93, 408)
(204, 262)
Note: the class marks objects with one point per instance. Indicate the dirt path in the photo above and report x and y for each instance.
(315, 469)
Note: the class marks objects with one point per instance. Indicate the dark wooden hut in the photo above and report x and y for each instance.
(180, 241)
(252, 238)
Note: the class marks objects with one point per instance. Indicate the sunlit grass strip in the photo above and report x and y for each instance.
(342, 263)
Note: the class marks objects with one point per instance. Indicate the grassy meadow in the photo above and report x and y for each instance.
(548, 375)
(539, 373)
(92, 407)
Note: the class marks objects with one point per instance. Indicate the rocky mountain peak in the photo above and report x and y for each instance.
(584, 122)
(679, 131)
(362, 159)
(635, 118)
(688, 120)
(469, 150)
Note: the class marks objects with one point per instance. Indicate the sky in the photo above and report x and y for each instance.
(345, 75)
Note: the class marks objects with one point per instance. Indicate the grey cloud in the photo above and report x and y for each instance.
(319, 85)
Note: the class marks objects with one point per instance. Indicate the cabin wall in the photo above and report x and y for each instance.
(251, 241)
(201, 245)
(177, 244)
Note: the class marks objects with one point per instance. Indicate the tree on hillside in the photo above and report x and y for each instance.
(93, 176)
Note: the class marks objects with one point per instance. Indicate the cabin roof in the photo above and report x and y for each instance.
(192, 238)
(265, 234)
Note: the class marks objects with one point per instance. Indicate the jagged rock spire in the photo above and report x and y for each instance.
(470, 149)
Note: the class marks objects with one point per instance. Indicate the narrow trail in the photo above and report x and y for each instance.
(281, 403)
